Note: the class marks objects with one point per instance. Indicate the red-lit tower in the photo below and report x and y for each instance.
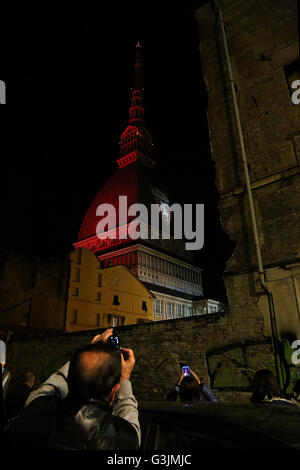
(162, 265)
(136, 141)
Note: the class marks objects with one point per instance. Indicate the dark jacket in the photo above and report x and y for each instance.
(52, 420)
(15, 400)
(52, 423)
(206, 392)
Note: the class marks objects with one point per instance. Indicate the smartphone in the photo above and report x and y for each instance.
(186, 371)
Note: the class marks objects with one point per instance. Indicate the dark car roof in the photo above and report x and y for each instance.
(258, 421)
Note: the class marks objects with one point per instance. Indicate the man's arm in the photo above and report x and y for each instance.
(126, 406)
(208, 394)
(56, 384)
(173, 394)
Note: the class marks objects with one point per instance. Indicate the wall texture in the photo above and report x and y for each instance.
(222, 349)
(33, 290)
(263, 45)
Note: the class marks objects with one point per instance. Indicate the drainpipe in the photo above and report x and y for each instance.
(261, 272)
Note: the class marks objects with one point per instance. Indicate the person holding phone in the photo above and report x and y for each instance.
(190, 389)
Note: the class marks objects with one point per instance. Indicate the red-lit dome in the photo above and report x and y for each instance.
(124, 182)
(134, 181)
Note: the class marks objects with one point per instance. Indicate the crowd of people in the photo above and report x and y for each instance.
(89, 404)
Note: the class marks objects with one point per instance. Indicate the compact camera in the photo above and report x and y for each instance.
(114, 340)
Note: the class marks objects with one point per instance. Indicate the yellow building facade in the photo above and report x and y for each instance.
(100, 298)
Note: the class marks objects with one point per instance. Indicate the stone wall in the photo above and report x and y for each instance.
(219, 348)
(33, 291)
(263, 45)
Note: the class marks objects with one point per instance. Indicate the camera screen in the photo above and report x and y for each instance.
(115, 341)
(186, 371)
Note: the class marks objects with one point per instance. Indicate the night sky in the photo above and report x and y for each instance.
(68, 73)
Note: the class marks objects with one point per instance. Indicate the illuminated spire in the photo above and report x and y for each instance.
(136, 110)
(136, 140)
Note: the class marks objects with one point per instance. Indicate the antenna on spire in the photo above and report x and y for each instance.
(137, 67)
(138, 53)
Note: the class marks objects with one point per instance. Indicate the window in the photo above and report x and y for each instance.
(189, 311)
(116, 282)
(116, 300)
(169, 309)
(144, 306)
(98, 296)
(98, 319)
(75, 291)
(74, 316)
(178, 310)
(157, 306)
(77, 256)
(115, 320)
(99, 280)
(76, 275)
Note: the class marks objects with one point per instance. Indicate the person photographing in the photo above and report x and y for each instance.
(87, 405)
(191, 389)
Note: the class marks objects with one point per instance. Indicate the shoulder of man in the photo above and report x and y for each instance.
(109, 432)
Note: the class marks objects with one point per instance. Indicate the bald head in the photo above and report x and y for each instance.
(29, 379)
(94, 370)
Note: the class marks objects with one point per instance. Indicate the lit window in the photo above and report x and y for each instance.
(178, 310)
(169, 309)
(116, 320)
(157, 306)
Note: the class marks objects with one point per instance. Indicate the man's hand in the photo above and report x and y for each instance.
(103, 337)
(127, 362)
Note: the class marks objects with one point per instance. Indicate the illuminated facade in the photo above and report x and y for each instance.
(99, 298)
(162, 265)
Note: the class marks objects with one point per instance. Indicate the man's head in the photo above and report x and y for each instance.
(95, 372)
(29, 379)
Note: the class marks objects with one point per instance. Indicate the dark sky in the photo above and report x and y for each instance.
(68, 73)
